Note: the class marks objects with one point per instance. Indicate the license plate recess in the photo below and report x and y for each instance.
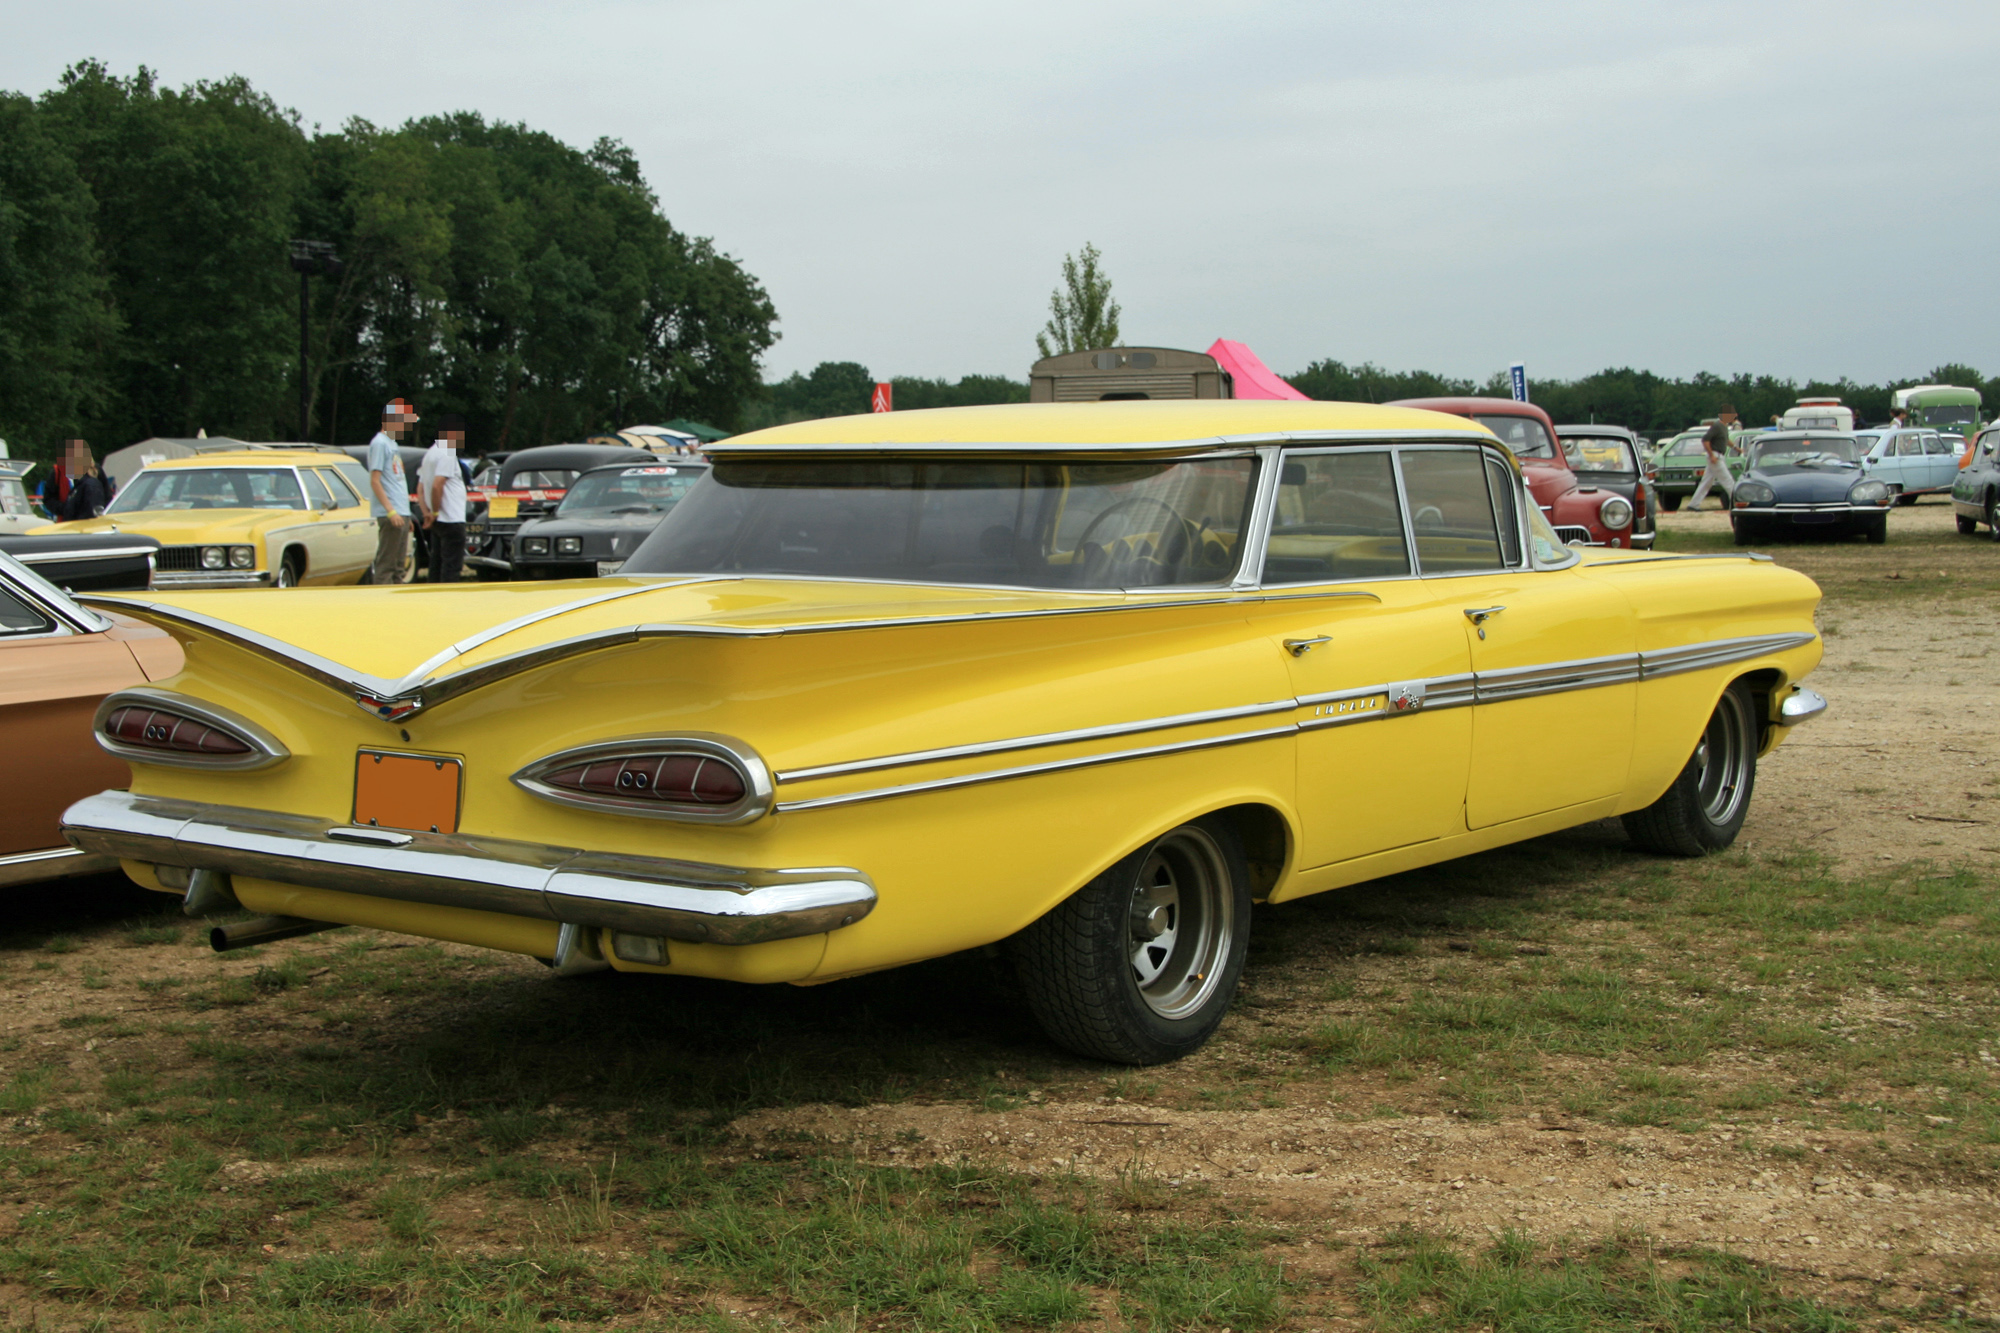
(421, 792)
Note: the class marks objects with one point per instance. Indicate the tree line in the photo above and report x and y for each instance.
(1648, 403)
(486, 269)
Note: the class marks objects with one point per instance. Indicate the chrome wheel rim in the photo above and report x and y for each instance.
(1724, 758)
(1180, 923)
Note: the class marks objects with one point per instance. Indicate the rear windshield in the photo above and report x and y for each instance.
(548, 478)
(1524, 436)
(1598, 453)
(1044, 524)
(210, 488)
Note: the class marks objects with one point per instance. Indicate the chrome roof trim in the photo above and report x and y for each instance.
(913, 757)
(1117, 448)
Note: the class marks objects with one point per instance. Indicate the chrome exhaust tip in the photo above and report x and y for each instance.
(263, 930)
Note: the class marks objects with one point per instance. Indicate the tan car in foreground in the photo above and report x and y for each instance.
(57, 662)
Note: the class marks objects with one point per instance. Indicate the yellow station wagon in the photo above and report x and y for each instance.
(247, 518)
(1089, 681)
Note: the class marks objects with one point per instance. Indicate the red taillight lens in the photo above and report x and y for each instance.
(156, 729)
(670, 779)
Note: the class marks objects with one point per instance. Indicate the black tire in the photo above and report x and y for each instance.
(1966, 526)
(1670, 503)
(1901, 496)
(290, 570)
(1703, 810)
(1743, 532)
(1993, 515)
(1877, 530)
(1100, 979)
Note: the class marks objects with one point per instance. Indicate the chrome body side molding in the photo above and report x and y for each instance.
(1716, 652)
(645, 895)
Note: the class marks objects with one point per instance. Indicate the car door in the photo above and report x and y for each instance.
(1940, 464)
(1553, 652)
(1375, 655)
(350, 511)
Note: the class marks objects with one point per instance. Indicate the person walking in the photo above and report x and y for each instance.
(1716, 444)
(90, 490)
(389, 493)
(441, 492)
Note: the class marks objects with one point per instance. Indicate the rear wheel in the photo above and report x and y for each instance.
(1670, 503)
(1703, 810)
(1967, 526)
(1993, 515)
(1139, 965)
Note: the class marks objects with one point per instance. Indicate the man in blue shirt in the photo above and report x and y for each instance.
(389, 494)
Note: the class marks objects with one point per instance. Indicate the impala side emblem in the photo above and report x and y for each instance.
(1407, 697)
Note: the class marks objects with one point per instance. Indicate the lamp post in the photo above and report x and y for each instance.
(308, 258)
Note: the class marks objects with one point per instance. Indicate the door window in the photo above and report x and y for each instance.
(1451, 510)
(343, 494)
(17, 617)
(1934, 444)
(1337, 518)
(1909, 446)
(317, 496)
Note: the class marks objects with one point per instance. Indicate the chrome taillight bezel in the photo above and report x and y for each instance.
(265, 749)
(758, 789)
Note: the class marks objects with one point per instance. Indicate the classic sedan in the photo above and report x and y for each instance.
(1912, 462)
(1975, 494)
(603, 517)
(1679, 463)
(528, 484)
(1608, 458)
(246, 518)
(57, 662)
(1084, 681)
(1808, 482)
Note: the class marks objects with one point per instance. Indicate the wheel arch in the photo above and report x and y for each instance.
(294, 549)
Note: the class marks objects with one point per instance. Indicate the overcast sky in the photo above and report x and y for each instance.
(1803, 189)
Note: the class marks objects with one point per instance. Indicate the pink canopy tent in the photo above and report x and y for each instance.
(1253, 378)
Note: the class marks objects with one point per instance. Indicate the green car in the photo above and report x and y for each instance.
(1681, 460)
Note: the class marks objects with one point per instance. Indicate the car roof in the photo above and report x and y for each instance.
(255, 458)
(1183, 425)
(655, 460)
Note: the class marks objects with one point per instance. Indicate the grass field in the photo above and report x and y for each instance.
(354, 1131)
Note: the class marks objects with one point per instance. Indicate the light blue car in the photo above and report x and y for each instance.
(1913, 461)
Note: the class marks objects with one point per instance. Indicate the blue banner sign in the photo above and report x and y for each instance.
(1517, 375)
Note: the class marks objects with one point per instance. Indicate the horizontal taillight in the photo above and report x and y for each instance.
(160, 727)
(700, 778)
(157, 729)
(684, 779)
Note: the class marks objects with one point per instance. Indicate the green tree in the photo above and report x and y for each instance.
(195, 191)
(1081, 312)
(57, 322)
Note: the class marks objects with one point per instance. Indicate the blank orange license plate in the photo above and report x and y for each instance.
(407, 791)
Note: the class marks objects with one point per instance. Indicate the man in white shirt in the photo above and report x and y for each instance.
(441, 492)
(389, 493)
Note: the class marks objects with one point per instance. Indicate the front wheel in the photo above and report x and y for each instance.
(1743, 533)
(1877, 532)
(1139, 965)
(1703, 810)
(1993, 516)
(288, 570)
(1966, 526)
(1670, 503)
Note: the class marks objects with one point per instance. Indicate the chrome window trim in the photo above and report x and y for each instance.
(757, 780)
(266, 750)
(645, 895)
(1256, 536)
(67, 613)
(1212, 444)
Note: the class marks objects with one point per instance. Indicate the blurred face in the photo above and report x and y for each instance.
(454, 438)
(76, 457)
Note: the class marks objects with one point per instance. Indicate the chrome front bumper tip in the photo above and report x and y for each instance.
(641, 895)
(1803, 705)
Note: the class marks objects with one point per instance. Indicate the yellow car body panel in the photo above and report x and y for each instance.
(1401, 733)
(333, 545)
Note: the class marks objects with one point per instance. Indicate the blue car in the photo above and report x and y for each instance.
(1911, 461)
(1803, 482)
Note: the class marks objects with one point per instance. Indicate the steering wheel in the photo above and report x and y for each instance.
(1167, 553)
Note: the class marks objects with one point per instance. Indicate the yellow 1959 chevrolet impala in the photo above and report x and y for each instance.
(1087, 680)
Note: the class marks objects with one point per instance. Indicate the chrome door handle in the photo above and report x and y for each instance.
(1479, 615)
(1300, 647)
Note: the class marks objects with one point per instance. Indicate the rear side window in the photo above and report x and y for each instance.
(1337, 518)
(1451, 511)
(317, 495)
(343, 494)
(17, 617)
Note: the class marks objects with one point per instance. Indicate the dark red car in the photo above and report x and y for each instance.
(1581, 516)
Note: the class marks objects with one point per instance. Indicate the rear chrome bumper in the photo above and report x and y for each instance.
(54, 863)
(641, 895)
